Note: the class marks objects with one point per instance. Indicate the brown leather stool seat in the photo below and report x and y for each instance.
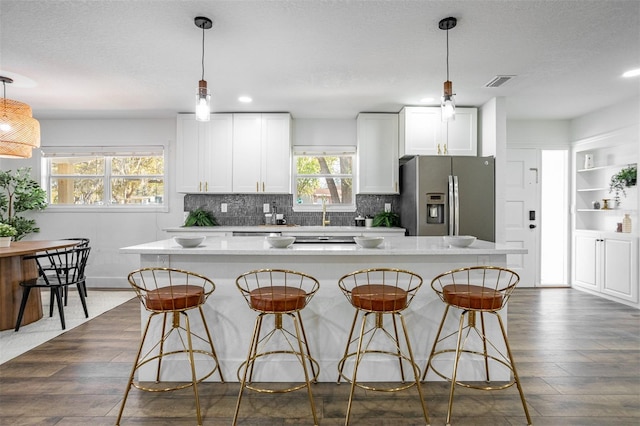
(472, 296)
(376, 294)
(379, 298)
(474, 291)
(177, 297)
(278, 299)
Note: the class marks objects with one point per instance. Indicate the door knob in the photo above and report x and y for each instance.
(531, 226)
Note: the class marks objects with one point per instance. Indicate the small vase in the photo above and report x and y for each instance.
(5, 241)
(626, 224)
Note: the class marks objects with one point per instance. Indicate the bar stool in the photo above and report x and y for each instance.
(164, 291)
(280, 293)
(376, 293)
(477, 289)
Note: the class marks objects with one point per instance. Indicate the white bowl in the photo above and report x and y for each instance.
(189, 242)
(368, 242)
(278, 241)
(459, 240)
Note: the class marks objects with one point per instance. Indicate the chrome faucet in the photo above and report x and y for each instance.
(325, 221)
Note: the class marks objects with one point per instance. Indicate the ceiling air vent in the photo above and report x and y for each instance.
(499, 80)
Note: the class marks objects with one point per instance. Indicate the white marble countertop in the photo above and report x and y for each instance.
(351, 230)
(392, 246)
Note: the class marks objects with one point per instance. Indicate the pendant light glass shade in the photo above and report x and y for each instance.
(203, 97)
(19, 131)
(203, 102)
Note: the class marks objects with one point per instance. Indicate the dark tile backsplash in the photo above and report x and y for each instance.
(246, 209)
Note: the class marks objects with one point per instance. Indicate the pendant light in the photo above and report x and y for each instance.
(448, 104)
(203, 97)
(19, 131)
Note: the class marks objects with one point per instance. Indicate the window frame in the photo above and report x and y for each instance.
(315, 151)
(107, 153)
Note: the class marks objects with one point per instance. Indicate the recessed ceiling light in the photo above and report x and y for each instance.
(426, 100)
(245, 99)
(632, 73)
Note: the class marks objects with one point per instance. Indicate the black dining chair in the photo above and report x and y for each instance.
(55, 261)
(69, 269)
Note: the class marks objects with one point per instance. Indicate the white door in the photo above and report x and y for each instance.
(523, 212)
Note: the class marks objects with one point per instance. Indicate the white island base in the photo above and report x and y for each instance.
(329, 316)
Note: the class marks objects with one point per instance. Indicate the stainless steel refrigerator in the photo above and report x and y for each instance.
(445, 195)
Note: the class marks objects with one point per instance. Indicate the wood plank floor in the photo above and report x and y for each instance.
(578, 357)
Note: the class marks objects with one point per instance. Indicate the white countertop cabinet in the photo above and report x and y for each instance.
(377, 153)
(332, 231)
(422, 132)
(262, 153)
(204, 154)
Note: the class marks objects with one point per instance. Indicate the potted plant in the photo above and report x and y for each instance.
(6, 232)
(20, 193)
(200, 217)
(625, 178)
(387, 219)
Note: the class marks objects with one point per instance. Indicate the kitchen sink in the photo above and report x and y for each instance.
(314, 239)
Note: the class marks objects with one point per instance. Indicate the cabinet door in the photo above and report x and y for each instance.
(461, 134)
(247, 154)
(189, 133)
(377, 154)
(586, 260)
(619, 276)
(216, 158)
(421, 131)
(276, 153)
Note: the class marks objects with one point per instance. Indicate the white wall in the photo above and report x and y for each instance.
(108, 231)
(309, 131)
(539, 133)
(607, 119)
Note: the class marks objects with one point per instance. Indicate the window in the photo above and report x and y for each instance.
(109, 177)
(324, 177)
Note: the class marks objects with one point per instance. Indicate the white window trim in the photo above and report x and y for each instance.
(82, 151)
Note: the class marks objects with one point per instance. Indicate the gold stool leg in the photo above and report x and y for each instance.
(133, 370)
(395, 329)
(484, 345)
(194, 379)
(416, 372)
(513, 368)
(355, 368)
(213, 349)
(346, 349)
(303, 361)
(455, 366)
(435, 342)
(253, 346)
(164, 325)
(306, 343)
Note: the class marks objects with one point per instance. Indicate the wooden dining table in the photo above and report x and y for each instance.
(14, 268)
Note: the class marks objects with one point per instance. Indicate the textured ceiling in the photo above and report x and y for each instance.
(316, 58)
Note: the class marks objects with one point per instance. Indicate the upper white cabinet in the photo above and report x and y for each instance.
(377, 154)
(261, 153)
(204, 154)
(422, 132)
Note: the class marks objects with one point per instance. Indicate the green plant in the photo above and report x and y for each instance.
(7, 230)
(387, 219)
(20, 193)
(625, 178)
(200, 217)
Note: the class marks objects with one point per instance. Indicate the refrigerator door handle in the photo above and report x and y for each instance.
(456, 198)
(451, 206)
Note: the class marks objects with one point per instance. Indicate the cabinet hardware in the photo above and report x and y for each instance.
(200, 186)
(206, 187)
(262, 186)
(257, 186)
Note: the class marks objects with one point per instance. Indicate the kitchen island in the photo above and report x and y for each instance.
(329, 315)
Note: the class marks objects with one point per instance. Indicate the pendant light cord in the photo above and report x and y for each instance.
(203, 52)
(447, 55)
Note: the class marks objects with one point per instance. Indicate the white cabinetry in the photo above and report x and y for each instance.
(607, 264)
(422, 132)
(261, 153)
(377, 153)
(203, 159)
